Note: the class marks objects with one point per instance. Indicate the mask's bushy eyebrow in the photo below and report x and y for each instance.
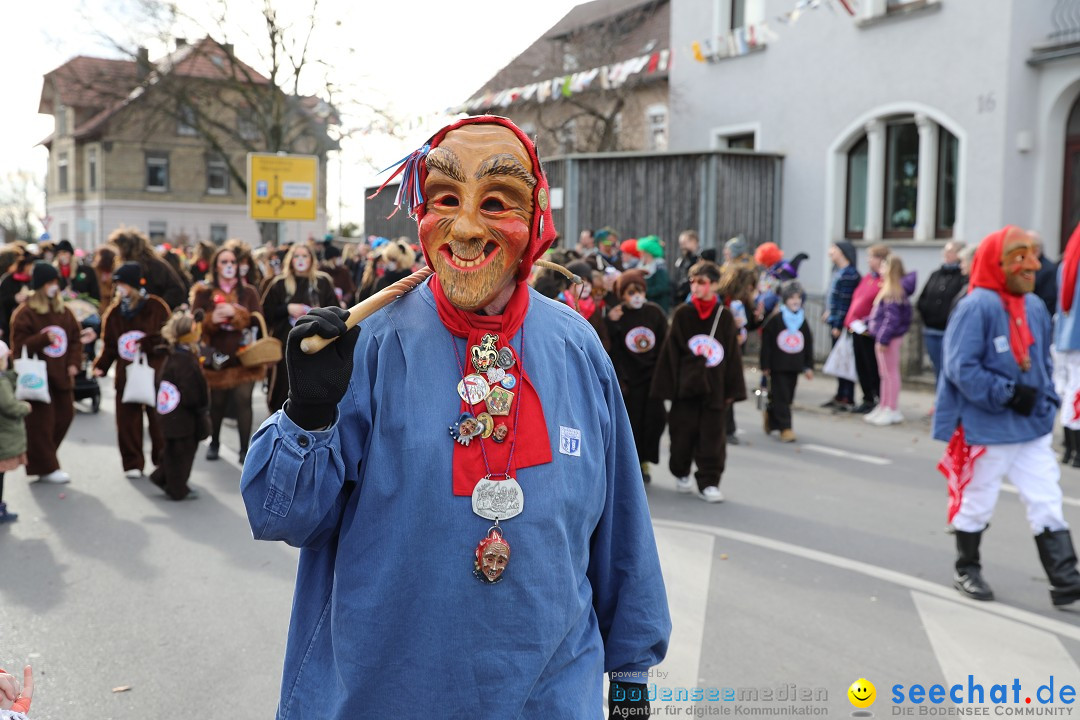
(506, 164)
(446, 162)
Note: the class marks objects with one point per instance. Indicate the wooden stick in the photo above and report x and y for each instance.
(364, 309)
(559, 269)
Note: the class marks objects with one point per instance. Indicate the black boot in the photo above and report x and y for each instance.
(1059, 560)
(968, 578)
(1070, 447)
(1075, 447)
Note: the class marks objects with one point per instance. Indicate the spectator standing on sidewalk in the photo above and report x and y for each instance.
(689, 244)
(995, 406)
(890, 319)
(936, 299)
(48, 329)
(12, 428)
(858, 315)
(636, 328)
(1046, 277)
(842, 284)
(132, 325)
(787, 349)
(700, 370)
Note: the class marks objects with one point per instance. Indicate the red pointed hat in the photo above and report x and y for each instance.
(413, 171)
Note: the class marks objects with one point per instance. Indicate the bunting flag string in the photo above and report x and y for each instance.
(607, 77)
(744, 40)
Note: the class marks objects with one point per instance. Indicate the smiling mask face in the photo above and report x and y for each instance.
(1019, 262)
(479, 210)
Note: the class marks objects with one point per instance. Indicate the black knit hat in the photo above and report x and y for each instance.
(331, 251)
(43, 273)
(130, 273)
(65, 246)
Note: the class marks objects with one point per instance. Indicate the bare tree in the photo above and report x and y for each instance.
(20, 197)
(592, 120)
(289, 104)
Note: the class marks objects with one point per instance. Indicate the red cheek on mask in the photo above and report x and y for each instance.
(516, 232)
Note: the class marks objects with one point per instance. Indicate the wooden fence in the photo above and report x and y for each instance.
(719, 193)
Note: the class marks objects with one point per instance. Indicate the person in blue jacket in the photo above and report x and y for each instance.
(996, 407)
(461, 478)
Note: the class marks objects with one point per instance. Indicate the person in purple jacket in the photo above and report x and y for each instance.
(890, 319)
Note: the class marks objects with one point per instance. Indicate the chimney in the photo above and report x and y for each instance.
(228, 49)
(180, 42)
(142, 63)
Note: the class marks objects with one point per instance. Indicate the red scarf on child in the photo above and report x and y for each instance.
(704, 307)
(532, 445)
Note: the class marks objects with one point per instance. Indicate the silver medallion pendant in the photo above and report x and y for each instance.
(498, 499)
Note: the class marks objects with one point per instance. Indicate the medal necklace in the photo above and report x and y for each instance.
(491, 499)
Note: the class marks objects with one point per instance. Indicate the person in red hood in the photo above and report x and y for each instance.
(474, 433)
(995, 406)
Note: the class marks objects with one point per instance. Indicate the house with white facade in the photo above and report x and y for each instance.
(909, 122)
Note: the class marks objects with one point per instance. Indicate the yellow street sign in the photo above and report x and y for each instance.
(282, 187)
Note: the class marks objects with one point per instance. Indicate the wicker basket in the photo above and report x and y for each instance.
(264, 351)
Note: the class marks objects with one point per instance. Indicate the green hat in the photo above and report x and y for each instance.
(652, 245)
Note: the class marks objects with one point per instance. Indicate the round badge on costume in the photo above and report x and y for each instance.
(508, 382)
(708, 347)
(791, 342)
(128, 345)
(59, 345)
(473, 389)
(640, 340)
(168, 398)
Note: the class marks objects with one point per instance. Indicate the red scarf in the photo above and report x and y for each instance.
(1069, 266)
(65, 271)
(986, 273)
(704, 307)
(585, 306)
(532, 444)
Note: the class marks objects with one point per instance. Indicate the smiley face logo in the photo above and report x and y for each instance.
(862, 693)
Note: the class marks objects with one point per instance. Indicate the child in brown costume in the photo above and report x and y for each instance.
(132, 325)
(182, 403)
(637, 328)
(700, 371)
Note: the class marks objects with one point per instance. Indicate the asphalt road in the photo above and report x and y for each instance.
(828, 562)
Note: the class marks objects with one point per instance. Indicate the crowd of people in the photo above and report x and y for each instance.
(187, 313)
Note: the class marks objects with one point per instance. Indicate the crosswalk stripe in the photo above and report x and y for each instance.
(968, 641)
(837, 452)
(880, 573)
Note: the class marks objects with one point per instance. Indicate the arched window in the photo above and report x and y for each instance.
(857, 161)
(1070, 200)
(901, 180)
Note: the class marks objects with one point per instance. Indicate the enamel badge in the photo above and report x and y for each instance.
(505, 358)
(468, 427)
(484, 356)
(499, 400)
(473, 389)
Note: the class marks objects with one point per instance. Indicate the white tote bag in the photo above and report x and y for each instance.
(841, 361)
(33, 382)
(140, 388)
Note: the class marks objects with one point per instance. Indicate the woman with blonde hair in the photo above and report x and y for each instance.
(290, 295)
(890, 319)
(48, 329)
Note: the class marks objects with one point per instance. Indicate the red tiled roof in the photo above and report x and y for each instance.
(106, 85)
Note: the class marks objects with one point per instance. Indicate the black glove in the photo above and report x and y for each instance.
(1023, 399)
(317, 382)
(627, 700)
